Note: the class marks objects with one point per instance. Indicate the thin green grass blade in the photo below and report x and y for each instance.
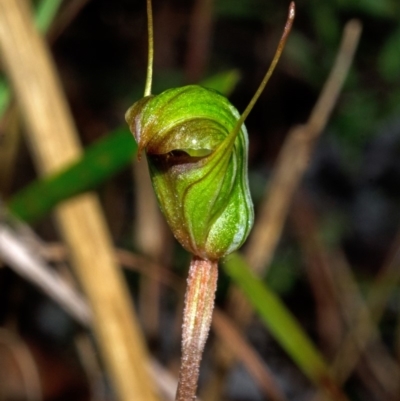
(45, 12)
(100, 162)
(4, 96)
(281, 324)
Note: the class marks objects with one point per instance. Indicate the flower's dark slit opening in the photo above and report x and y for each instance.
(182, 156)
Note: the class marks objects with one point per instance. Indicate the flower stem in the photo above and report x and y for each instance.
(199, 304)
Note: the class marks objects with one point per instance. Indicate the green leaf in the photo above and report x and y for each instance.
(100, 162)
(280, 322)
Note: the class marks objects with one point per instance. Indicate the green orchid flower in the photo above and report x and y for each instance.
(198, 166)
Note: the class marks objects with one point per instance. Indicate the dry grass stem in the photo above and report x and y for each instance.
(54, 144)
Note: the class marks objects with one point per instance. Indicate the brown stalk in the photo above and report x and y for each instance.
(197, 315)
(54, 143)
(290, 167)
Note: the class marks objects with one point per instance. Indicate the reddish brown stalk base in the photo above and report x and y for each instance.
(199, 304)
